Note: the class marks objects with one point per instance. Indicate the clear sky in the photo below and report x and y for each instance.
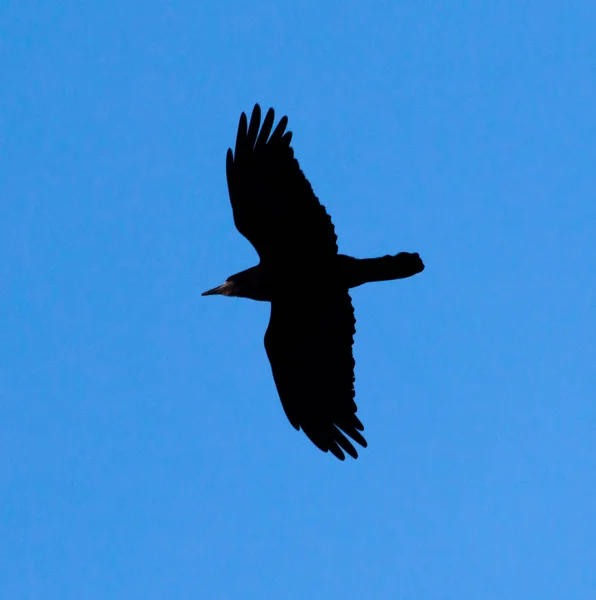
(144, 452)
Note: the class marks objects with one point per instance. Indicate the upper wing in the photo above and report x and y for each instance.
(309, 345)
(274, 205)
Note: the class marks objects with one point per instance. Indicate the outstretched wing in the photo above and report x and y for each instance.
(273, 203)
(309, 345)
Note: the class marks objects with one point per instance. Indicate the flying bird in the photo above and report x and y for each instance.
(301, 273)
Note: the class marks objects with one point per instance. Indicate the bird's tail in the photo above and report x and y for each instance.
(384, 268)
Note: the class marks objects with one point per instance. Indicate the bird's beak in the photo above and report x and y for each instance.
(227, 288)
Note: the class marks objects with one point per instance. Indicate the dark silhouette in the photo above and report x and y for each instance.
(310, 333)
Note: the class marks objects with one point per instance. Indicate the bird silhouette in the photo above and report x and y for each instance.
(301, 273)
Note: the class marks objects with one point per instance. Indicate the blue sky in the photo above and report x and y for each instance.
(144, 452)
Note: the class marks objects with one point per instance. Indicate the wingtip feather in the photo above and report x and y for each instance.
(253, 127)
(265, 129)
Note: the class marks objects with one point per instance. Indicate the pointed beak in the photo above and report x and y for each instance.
(225, 289)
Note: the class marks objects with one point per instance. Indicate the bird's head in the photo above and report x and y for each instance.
(246, 284)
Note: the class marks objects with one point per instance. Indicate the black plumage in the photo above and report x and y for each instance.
(310, 334)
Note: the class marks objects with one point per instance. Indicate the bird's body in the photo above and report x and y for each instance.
(310, 333)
